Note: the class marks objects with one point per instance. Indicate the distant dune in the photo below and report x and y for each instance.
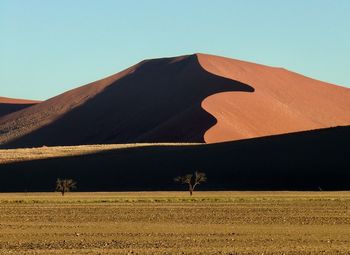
(9, 105)
(195, 98)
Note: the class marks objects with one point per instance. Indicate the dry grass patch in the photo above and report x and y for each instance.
(25, 154)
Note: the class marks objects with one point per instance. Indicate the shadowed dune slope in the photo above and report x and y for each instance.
(195, 98)
(308, 160)
(155, 101)
(10, 105)
(282, 102)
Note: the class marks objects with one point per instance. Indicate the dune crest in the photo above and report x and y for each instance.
(7, 100)
(157, 100)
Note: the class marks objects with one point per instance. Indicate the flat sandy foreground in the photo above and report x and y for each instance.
(174, 223)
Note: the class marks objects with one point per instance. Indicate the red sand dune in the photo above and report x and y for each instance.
(9, 105)
(192, 98)
(282, 102)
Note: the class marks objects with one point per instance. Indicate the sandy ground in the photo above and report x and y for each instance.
(174, 223)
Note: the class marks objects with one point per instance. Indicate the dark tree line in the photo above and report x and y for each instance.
(192, 180)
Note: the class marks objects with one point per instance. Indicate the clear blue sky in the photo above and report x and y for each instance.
(48, 47)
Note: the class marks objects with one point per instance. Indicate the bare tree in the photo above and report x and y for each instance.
(190, 181)
(65, 185)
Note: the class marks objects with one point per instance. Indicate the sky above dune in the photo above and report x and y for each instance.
(48, 47)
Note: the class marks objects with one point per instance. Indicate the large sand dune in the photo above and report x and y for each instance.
(195, 98)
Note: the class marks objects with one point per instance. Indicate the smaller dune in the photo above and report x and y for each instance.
(10, 105)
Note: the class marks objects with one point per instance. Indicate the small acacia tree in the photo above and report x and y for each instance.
(65, 185)
(192, 180)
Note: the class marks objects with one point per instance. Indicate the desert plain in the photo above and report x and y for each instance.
(246, 126)
(174, 223)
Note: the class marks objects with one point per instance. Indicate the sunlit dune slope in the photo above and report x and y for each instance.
(282, 101)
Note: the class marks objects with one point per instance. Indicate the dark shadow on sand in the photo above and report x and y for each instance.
(296, 161)
(10, 108)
